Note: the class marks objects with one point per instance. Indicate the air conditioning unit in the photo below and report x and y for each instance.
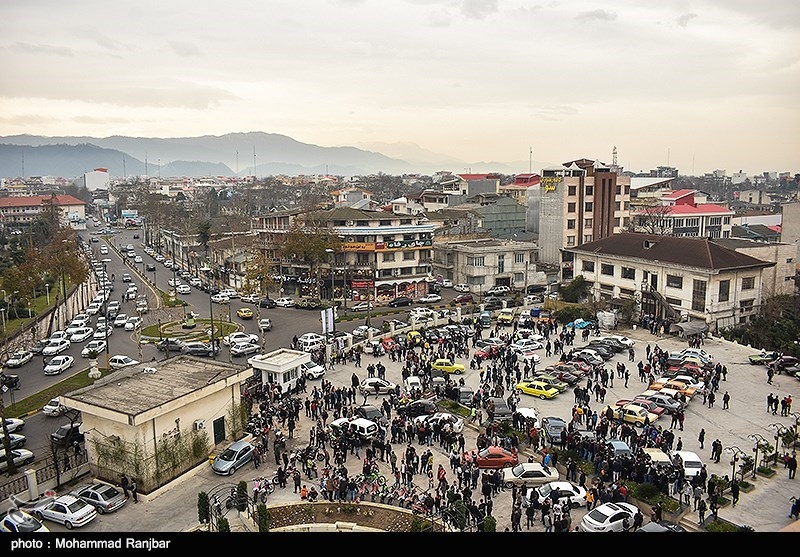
(199, 424)
(350, 223)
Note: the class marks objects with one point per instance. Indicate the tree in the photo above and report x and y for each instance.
(308, 244)
(203, 508)
(576, 290)
(653, 220)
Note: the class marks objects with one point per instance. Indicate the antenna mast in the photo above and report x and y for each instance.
(530, 161)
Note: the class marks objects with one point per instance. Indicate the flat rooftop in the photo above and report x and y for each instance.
(133, 391)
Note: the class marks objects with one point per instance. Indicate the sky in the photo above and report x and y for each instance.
(699, 85)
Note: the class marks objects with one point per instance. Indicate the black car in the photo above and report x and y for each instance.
(401, 301)
(421, 407)
(38, 346)
(67, 434)
(170, 344)
(150, 267)
(266, 303)
(372, 413)
(492, 305)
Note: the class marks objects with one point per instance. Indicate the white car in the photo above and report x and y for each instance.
(195, 281)
(239, 336)
(67, 510)
(220, 299)
(362, 331)
(96, 346)
(58, 335)
(183, 289)
(80, 320)
(244, 348)
(59, 364)
(133, 323)
(102, 332)
(285, 302)
(567, 492)
(529, 473)
(250, 298)
(119, 361)
(54, 407)
(142, 307)
(430, 299)
(19, 521)
(525, 344)
(447, 283)
(608, 517)
(137, 259)
(312, 370)
(120, 320)
(461, 287)
(81, 334)
(265, 324)
(443, 419)
(56, 346)
(19, 358)
(362, 306)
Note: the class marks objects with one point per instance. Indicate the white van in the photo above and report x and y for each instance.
(366, 429)
(310, 342)
(692, 465)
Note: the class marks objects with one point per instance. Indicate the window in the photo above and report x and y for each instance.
(748, 283)
(409, 255)
(699, 295)
(587, 223)
(678, 223)
(746, 305)
(726, 220)
(675, 302)
(715, 221)
(588, 266)
(570, 240)
(388, 257)
(570, 224)
(475, 261)
(571, 207)
(501, 263)
(618, 190)
(519, 258)
(626, 293)
(607, 269)
(628, 273)
(571, 190)
(724, 290)
(587, 238)
(587, 207)
(519, 277)
(616, 222)
(790, 259)
(674, 281)
(589, 190)
(693, 222)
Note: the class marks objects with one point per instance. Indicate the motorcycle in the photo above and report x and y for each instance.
(262, 489)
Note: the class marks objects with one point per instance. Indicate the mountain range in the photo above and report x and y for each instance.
(223, 155)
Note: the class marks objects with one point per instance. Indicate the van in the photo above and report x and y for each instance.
(692, 464)
(366, 429)
(485, 319)
(309, 344)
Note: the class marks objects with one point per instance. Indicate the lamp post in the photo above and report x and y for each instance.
(760, 442)
(780, 431)
(329, 251)
(737, 453)
(47, 288)
(796, 416)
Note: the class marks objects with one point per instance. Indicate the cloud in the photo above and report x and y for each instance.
(479, 9)
(596, 15)
(684, 19)
(184, 49)
(28, 48)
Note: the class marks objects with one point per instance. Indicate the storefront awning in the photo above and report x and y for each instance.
(689, 328)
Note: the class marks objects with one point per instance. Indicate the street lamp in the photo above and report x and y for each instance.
(780, 431)
(737, 453)
(330, 252)
(47, 288)
(760, 442)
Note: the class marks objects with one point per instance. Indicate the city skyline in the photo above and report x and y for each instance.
(699, 87)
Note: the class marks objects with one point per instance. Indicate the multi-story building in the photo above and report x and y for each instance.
(581, 201)
(18, 212)
(675, 279)
(381, 254)
(485, 262)
(685, 213)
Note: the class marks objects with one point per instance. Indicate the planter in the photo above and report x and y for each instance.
(766, 472)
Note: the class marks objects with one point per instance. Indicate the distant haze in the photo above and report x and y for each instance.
(696, 85)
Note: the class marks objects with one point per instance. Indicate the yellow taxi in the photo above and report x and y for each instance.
(536, 388)
(414, 338)
(444, 364)
(245, 313)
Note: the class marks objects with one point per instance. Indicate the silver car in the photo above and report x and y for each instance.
(232, 458)
(103, 497)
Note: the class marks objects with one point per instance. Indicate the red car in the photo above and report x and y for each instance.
(493, 457)
(580, 365)
(388, 343)
(486, 349)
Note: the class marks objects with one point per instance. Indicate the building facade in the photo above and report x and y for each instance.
(675, 279)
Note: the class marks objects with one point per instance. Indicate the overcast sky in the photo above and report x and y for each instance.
(700, 85)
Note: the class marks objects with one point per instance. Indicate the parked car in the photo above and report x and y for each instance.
(15, 440)
(285, 302)
(400, 301)
(448, 366)
(492, 457)
(232, 458)
(442, 419)
(266, 303)
(430, 299)
(552, 426)
(170, 344)
(537, 389)
(312, 370)
(462, 299)
(368, 386)
(461, 287)
(67, 434)
(59, 364)
(608, 517)
(103, 497)
(529, 473)
(120, 361)
(19, 358)
(133, 323)
(633, 414)
(54, 407)
(418, 407)
(20, 457)
(13, 425)
(240, 336)
(67, 510)
(21, 522)
(362, 306)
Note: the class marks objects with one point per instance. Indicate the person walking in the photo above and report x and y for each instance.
(734, 491)
(726, 401)
(702, 437)
(791, 464)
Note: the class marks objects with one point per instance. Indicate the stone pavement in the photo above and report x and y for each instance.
(765, 508)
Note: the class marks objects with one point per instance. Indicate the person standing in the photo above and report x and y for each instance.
(701, 511)
(726, 400)
(734, 491)
(791, 464)
(702, 437)
(133, 491)
(125, 484)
